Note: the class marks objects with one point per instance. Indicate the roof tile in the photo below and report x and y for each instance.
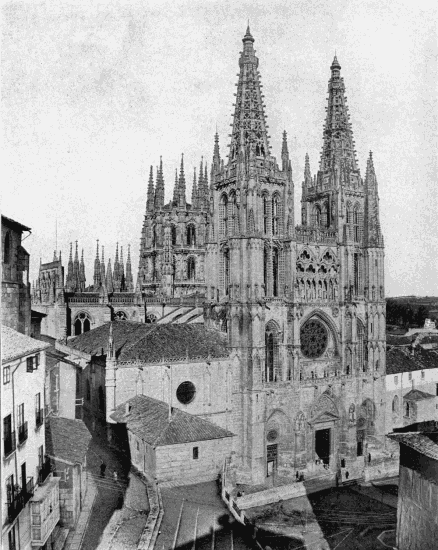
(67, 439)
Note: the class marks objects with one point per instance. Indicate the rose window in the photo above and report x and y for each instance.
(314, 339)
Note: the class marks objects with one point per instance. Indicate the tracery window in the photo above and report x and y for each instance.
(7, 248)
(191, 268)
(316, 215)
(356, 224)
(173, 235)
(191, 235)
(151, 318)
(265, 270)
(314, 339)
(226, 271)
(265, 214)
(223, 230)
(120, 316)
(232, 213)
(275, 272)
(271, 353)
(360, 344)
(275, 215)
(82, 323)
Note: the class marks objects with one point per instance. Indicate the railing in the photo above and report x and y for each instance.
(9, 444)
(39, 417)
(19, 499)
(44, 471)
(22, 433)
(84, 300)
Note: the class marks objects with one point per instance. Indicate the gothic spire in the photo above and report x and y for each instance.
(175, 189)
(150, 198)
(116, 271)
(195, 190)
(216, 153)
(76, 270)
(338, 147)
(307, 173)
(129, 279)
(109, 277)
(182, 184)
(96, 277)
(69, 280)
(284, 153)
(249, 133)
(373, 233)
(102, 266)
(122, 271)
(159, 190)
(82, 279)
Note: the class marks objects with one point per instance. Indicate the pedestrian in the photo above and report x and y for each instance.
(347, 475)
(102, 469)
(369, 458)
(115, 476)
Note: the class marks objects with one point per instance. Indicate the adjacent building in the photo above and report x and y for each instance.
(172, 445)
(417, 522)
(30, 493)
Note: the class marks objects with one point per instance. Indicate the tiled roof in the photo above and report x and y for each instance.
(394, 340)
(14, 224)
(152, 342)
(425, 443)
(67, 439)
(148, 418)
(401, 360)
(417, 395)
(15, 344)
(54, 356)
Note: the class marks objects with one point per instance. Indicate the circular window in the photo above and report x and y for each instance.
(314, 339)
(186, 393)
(272, 435)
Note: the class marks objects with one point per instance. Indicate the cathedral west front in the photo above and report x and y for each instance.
(300, 303)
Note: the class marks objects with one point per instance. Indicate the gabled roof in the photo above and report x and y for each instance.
(417, 395)
(402, 360)
(15, 344)
(148, 419)
(17, 226)
(67, 439)
(425, 443)
(152, 343)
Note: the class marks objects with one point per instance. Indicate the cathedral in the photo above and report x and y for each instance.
(302, 306)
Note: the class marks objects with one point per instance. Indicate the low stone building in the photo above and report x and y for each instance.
(170, 444)
(67, 442)
(417, 523)
(411, 385)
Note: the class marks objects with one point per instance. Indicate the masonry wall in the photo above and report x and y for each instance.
(417, 525)
(399, 385)
(176, 462)
(70, 491)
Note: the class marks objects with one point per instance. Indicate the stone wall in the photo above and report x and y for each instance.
(417, 526)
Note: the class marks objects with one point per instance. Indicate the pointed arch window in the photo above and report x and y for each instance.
(265, 270)
(7, 248)
(317, 215)
(191, 269)
(191, 235)
(395, 405)
(223, 216)
(271, 353)
(265, 214)
(360, 345)
(275, 215)
(226, 272)
(173, 235)
(82, 323)
(356, 224)
(232, 213)
(275, 270)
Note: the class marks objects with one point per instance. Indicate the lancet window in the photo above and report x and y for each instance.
(226, 271)
(191, 235)
(82, 323)
(271, 353)
(275, 272)
(275, 215)
(223, 216)
(232, 213)
(265, 214)
(173, 235)
(191, 268)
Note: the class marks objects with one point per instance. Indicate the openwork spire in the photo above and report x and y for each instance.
(373, 233)
(338, 147)
(82, 279)
(307, 173)
(121, 271)
(102, 268)
(129, 283)
(195, 190)
(151, 194)
(159, 190)
(284, 153)
(182, 184)
(96, 277)
(175, 189)
(69, 280)
(249, 134)
(109, 278)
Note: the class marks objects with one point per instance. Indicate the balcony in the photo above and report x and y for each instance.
(44, 471)
(45, 512)
(22, 433)
(17, 499)
(9, 444)
(39, 418)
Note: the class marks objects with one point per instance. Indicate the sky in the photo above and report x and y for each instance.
(94, 92)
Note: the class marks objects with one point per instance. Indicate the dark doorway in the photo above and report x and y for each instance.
(271, 455)
(322, 445)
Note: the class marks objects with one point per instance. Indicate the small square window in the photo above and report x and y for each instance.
(6, 375)
(422, 374)
(410, 376)
(29, 364)
(195, 453)
(395, 380)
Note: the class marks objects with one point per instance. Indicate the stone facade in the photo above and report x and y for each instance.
(303, 305)
(15, 277)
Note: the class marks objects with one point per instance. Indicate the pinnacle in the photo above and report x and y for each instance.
(335, 64)
(248, 35)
